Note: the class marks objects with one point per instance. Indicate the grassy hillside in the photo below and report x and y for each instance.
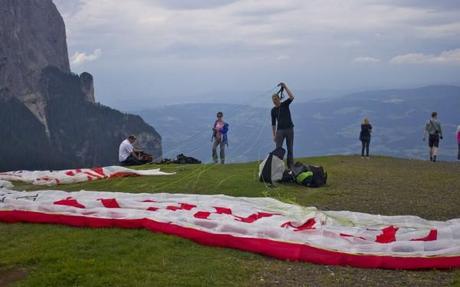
(50, 255)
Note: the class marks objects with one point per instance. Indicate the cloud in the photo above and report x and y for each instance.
(256, 42)
(283, 57)
(153, 27)
(440, 31)
(350, 44)
(446, 57)
(194, 4)
(366, 60)
(79, 58)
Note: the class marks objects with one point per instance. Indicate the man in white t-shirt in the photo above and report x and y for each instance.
(126, 153)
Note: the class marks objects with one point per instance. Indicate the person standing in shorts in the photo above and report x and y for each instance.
(434, 131)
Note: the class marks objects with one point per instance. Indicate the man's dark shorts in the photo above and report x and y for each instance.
(433, 141)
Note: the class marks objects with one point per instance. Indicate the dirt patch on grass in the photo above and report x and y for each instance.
(10, 276)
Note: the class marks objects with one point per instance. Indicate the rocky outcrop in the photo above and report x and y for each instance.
(32, 37)
(87, 86)
(49, 116)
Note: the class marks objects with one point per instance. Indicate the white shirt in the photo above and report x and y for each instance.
(126, 148)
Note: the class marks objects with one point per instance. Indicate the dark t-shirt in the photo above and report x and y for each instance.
(365, 132)
(282, 115)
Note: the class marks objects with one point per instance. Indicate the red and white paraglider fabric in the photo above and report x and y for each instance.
(261, 225)
(47, 177)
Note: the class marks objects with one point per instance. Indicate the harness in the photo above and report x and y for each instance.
(280, 93)
(223, 132)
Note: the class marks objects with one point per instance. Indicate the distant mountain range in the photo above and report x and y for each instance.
(322, 127)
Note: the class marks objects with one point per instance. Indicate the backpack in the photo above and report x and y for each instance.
(309, 175)
(272, 167)
(183, 159)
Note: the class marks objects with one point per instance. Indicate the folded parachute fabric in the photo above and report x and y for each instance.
(261, 225)
(5, 184)
(47, 177)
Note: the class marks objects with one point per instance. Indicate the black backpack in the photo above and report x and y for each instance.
(183, 159)
(309, 175)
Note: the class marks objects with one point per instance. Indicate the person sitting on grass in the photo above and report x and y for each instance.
(128, 155)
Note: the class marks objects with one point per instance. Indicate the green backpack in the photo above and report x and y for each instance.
(309, 175)
(304, 176)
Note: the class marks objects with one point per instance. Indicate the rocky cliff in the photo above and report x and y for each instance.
(49, 115)
(32, 37)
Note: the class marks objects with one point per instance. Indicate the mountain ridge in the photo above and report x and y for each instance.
(325, 127)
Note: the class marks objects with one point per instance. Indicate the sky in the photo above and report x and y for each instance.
(148, 53)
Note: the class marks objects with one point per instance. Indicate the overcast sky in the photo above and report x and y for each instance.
(146, 53)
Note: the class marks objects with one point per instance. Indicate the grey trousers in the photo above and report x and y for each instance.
(222, 151)
(287, 134)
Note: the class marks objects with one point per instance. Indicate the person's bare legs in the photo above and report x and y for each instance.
(435, 153)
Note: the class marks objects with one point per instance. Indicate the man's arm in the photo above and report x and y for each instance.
(132, 150)
(425, 132)
(133, 154)
(440, 130)
(273, 123)
(290, 95)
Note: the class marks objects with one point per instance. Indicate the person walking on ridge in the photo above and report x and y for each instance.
(458, 141)
(365, 137)
(434, 132)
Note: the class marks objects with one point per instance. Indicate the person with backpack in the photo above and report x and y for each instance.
(365, 137)
(458, 141)
(219, 138)
(434, 132)
(282, 125)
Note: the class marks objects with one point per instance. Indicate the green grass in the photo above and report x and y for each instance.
(54, 255)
